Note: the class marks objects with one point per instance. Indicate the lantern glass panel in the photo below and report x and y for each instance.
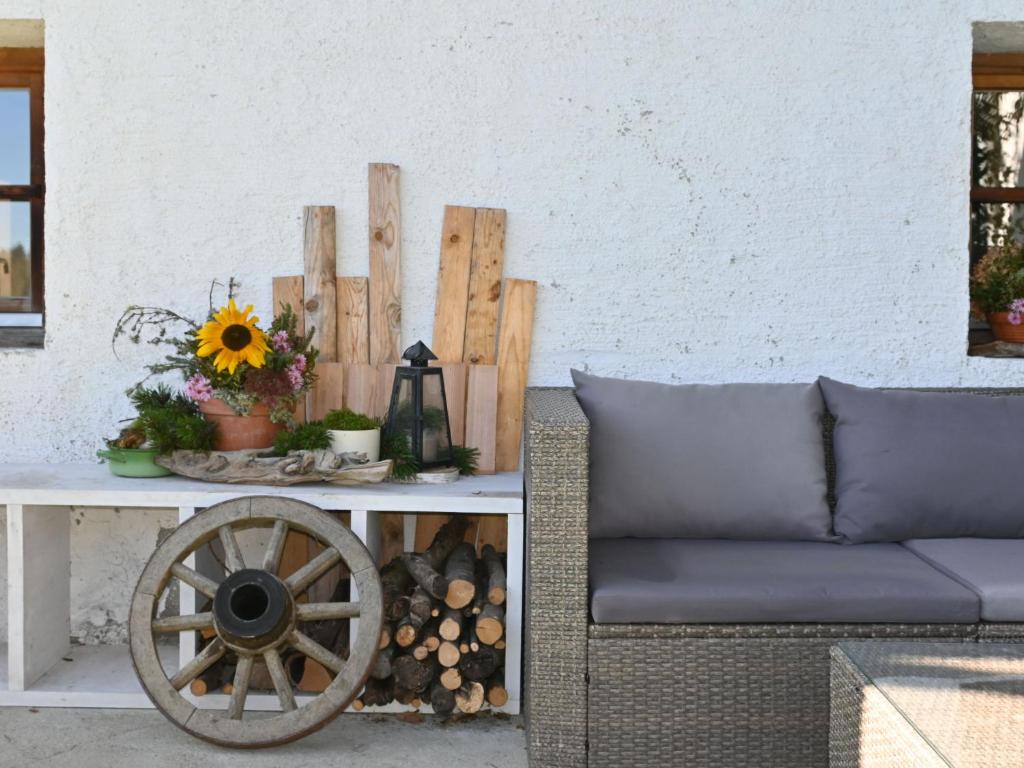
(436, 444)
(403, 421)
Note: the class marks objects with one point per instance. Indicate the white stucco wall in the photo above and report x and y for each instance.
(706, 191)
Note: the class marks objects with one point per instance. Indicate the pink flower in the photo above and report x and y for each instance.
(1016, 309)
(280, 342)
(300, 362)
(198, 388)
(294, 377)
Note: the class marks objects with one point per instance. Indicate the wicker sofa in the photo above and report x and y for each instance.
(687, 694)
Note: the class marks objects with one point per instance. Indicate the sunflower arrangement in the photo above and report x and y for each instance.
(229, 357)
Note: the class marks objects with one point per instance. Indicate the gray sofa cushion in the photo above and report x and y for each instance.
(925, 464)
(991, 568)
(678, 581)
(734, 461)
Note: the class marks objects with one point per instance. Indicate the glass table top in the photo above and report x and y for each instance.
(965, 699)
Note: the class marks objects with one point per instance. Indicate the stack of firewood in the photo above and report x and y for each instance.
(443, 640)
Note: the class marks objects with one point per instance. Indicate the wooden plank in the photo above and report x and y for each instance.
(360, 387)
(382, 390)
(289, 290)
(455, 397)
(482, 414)
(514, 342)
(320, 284)
(486, 264)
(385, 265)
(327, 391)
(493, 530)
(453, 283)
(353, 320)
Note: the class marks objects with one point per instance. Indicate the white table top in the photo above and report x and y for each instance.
(92, 485)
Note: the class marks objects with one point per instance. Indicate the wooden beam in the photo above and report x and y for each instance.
(487, 262)
(385, 265)
(353, 327)
(360, 387)
(514, 342)
(320, 284)
(453, 283)
(455, 398)
(482, 414)
(289, 291)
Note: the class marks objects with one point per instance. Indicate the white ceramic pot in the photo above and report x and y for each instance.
(356, 441)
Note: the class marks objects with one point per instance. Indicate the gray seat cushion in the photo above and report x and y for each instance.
(732, 461)
(679, 581)
(913, 465)
(991, 568)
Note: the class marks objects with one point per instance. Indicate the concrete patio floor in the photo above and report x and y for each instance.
(83, 738)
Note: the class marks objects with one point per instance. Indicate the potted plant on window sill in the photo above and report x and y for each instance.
(245, 380)
(997, 292)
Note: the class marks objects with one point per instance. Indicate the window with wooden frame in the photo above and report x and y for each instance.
(22, 187)
(997, 158)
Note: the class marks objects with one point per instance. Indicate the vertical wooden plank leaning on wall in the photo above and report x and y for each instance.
(455, 397)
(319, 290)
(353, 320)
(385, 265)
(514, 341)
(482, 414)
(487, 262)
(328, 390)
(453, 270)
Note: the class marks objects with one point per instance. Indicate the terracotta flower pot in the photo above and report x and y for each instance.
(1004, 330)
(236, 433)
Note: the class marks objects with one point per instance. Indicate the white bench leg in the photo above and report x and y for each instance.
(366, 527)
(38, 591)
(514, 613)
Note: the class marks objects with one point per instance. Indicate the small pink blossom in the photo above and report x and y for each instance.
(300, 362)
(294, 377)
(198, 388)
(1016, 309)
(279, 341)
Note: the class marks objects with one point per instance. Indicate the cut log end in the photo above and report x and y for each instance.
(470, 698)
(451, 679)
(460, 593)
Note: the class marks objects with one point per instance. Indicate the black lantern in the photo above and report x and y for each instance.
(418, 412)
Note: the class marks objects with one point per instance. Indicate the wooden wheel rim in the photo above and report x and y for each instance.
(218, 726)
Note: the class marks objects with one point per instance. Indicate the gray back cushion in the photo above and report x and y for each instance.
(732, 461)
(925, 464)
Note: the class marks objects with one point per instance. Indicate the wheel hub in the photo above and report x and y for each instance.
(253, 610)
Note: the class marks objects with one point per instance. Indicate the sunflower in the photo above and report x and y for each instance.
(234, 338)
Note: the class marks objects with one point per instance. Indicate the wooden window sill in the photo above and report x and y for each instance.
(21, 338)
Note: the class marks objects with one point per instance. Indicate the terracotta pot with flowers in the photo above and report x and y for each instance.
(997, 291)
(245, 380)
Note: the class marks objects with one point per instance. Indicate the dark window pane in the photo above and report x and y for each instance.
(999, 139)
(15, 143)
(15, 249)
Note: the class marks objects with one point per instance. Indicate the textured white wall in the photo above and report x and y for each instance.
(706, 191)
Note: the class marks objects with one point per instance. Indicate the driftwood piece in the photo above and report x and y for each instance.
(426, 575)
(259, 468)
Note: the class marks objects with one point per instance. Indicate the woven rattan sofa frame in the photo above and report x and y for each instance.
(700, 696)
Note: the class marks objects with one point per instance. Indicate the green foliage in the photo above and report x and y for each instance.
(999, 279)
(171, 421)
(311, 436)
(465, 459)
(396, 447)
(346, 419)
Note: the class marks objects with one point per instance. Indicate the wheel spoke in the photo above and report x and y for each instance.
(272, 558)
(299, 581)
(206, 658)
(183, 623)
(240, 687)
(282, 684)
(232, 552)
(194, 579)
(315, 651)
(326, 611)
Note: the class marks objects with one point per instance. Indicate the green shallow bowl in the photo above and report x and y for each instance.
(133, 462)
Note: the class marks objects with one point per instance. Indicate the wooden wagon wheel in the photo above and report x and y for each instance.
(255, 615)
